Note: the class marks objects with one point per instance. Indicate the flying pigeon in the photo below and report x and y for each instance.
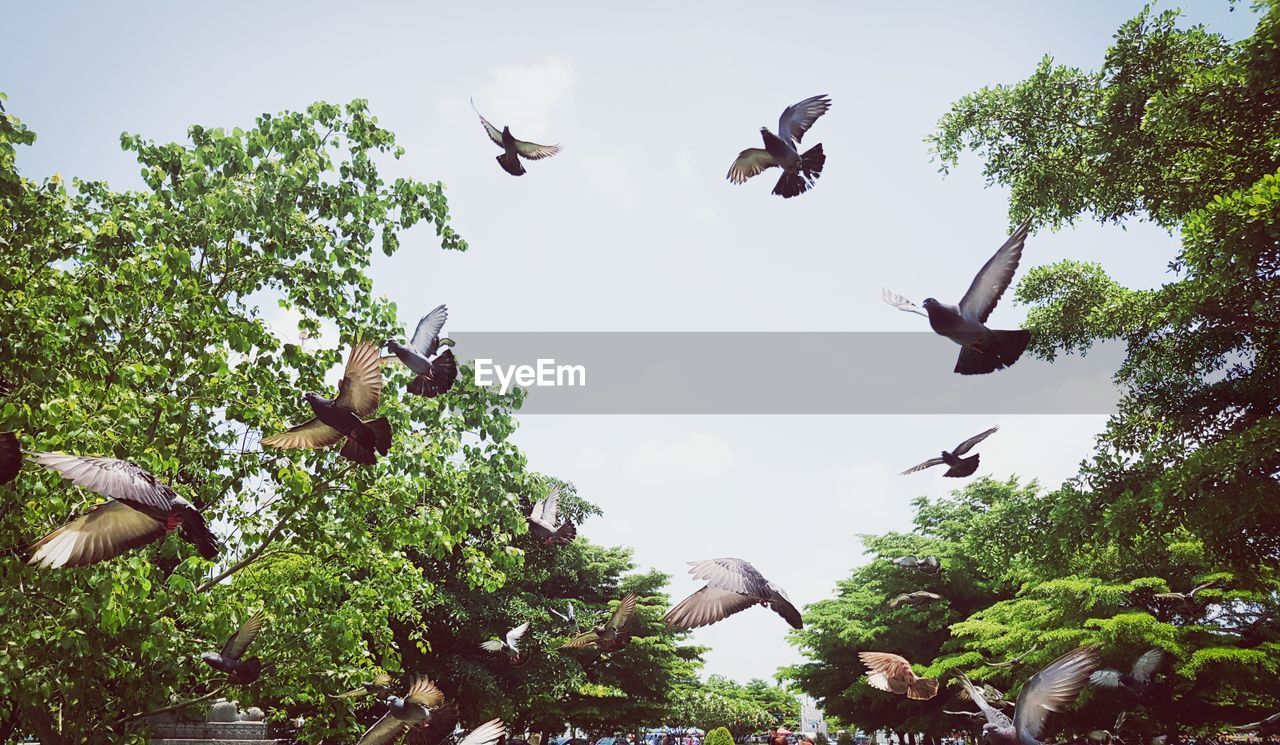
(511, 147)
(436, 728)
(611, 635)
(992, 695)
(141, 509)
(983, 350)
(971, 714)
(416, 706)
(569, 616)
(510, 647)
(239, 672)
(1012, 661)
(914, 598)
(1138, 680)
(434, 376)
(927, 565)
(342, 417)
(957, 467)
(1184, 598)
(892, 673)
(542, 520)
(10, 457)
(799, 172)
(1265, 728)
(733, 585)
(1051, 689)
(379, 686)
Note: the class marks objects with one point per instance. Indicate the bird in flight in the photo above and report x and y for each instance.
(239, 672)
(927, 565)
(733, 585)
(799, 171)
(569, 616)
(1051, 689)
(416, 706)
(511, 147)
(140, 509)
(542, 520)
(1139, 678)
(433, 376)
(510, 646)
(342, 417)
(1012, 661)
(914, 598)
(436, 728)
(892, 673)
(982, 349)
(379, 686)
(611, 635)
(958, 467)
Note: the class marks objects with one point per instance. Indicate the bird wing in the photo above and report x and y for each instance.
(994, 278)
(1198, 588)
(493, 645)
(921, 466)
(428, 331)
(486, 734)
(534, 151)
(581, 640)
(312, 434)
(994, 716)
(106, 530)
(361, 384)
(750, 162)
(424, 693)
(437, 728)
(1147, 664)
(781, 604)
(1107, 678)
(386, 729)
(707, 606)
(623, 612)
(734, 575)
(797, 118)
(551, 506)
(887, 671)
(901, 303)
(1052, 689)
(515, 635)
(238, 642)
(494, 133)
(118, 479)
(380, 680)
(968, 444)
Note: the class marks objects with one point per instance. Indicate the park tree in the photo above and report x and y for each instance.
(132, 325)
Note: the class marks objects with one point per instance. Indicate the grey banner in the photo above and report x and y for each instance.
(777, 373)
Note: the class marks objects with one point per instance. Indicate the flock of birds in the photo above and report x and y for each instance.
(141, 508)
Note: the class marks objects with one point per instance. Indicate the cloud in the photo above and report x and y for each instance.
(698, 457)
(524, 95)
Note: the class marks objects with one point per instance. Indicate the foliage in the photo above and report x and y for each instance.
(718, 736)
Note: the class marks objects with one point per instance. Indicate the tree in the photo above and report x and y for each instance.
(130, 327)
(718, 736)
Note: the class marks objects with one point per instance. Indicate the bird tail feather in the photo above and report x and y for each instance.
(356, 452)
(812, 161)
(923, 689)
(790, 185)
(510, 163)
(381, 429)
(996, 351)
(567, 532)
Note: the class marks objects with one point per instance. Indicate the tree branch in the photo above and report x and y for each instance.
(171, 707)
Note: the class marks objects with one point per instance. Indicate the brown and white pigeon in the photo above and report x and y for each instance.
(513, 149)
(140, 509)
(733, 585)
(542, 520)
(892, 673)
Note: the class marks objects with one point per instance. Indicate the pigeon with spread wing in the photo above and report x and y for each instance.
(542, 520)
(433, 375)
(402, 713)
(1052, 689)
(958, 467)
(799, 171)
(892, 673)
(239, 671)
(513, 149)
(733, 585)
(611, 635)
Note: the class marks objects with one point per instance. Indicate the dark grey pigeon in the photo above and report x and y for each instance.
(511, 147)
(416, 706)
(10, 457)
(958, 466)
(983, 350)
(1052, 689)
(733, 585)
(927, 565)
(1138, 680)
(239, 671)
(141, 509)
(434, 376)
(799, 171)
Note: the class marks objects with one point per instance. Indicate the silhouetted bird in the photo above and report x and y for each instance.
(984, 350)
(511, 646)
(379, 686)
(402, 712)
(1138, 680)
(141, 509)
(611, 635)
(733, 585)
(511, 147)
(1051, 689)
(542, 520)
(239, 672)
(914, 598)
(958, 467)
(10, 457)
(434, 376)
(892, 673)
(927, 565)
(342, 417)
(799, 172)
(1268, 727)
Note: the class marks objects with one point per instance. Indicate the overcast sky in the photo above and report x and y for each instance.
(633, 226)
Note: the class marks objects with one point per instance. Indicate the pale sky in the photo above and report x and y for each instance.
(634, 227)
